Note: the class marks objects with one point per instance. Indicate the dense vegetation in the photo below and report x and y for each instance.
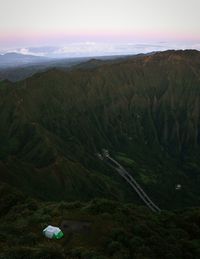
(115, 230)
(145, 110)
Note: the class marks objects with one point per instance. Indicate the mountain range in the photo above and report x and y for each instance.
(16, 67)
(139, 112)
(12, 59)
(145, 110)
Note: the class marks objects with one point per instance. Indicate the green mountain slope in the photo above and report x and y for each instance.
(145, 110)
(97, 229)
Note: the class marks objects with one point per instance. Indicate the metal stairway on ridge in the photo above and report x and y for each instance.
(138, 189)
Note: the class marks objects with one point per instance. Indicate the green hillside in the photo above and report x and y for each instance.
(144, 110)
(98, 229)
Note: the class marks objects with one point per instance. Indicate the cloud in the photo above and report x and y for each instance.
(90, 48)
(26, 51)
(84, 48)
(98, 48)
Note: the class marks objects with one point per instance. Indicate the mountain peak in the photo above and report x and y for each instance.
(14, 59)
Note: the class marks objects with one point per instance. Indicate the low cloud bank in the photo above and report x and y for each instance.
(81, 49)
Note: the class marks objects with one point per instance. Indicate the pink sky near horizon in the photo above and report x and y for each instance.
(21, 39)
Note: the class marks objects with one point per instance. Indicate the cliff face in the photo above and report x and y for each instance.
(145, 108)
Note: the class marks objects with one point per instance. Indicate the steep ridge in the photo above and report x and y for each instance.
(145, 110)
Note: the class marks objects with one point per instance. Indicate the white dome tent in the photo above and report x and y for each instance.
(53, 232)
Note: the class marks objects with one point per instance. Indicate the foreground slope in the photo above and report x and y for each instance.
(145, 110)
(97, 229)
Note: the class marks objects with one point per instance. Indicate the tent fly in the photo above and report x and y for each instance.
(53, 232)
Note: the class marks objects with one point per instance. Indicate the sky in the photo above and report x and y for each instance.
(98, 27)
